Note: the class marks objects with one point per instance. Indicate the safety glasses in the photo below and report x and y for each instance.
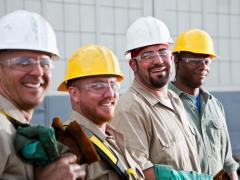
(101, 87)
(196, 61)
(26, 64)
(151, 55)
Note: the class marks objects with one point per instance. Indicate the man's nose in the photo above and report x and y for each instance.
(158, 58)
(110, 92)
(37, 69)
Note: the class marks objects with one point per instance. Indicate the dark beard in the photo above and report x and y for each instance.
(160, 81)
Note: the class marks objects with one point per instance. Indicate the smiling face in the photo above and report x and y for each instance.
(95, 97)
(153, 72)
(192, 74)
(25, 89)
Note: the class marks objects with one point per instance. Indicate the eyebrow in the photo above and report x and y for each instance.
(161, 49)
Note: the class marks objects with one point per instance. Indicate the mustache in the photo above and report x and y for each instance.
(32, 79)
(157, 66)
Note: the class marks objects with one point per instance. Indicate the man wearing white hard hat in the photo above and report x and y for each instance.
(153, 118)
(27, 49)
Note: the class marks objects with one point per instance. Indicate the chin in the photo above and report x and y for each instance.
(107, 118)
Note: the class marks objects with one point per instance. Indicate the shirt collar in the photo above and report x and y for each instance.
(9, 108)
(180, 92)
(83, 121)
(150, 98)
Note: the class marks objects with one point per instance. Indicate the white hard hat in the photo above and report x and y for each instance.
(147, 31)
(27, 31)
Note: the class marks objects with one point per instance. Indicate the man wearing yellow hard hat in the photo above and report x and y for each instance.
(92, 81)
(193, 53)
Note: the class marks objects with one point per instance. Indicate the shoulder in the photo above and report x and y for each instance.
(176, 99)
(131, 109)
(132, 99)
(213, 100)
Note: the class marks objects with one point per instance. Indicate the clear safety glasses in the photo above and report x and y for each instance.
(196, 61)
(25, 63)
(101, 87)
(151, 55)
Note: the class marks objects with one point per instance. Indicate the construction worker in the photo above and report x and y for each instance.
(193, 53)
(27, 49)
(92, 80)
(152, 118)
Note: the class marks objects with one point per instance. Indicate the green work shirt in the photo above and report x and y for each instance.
(100, 170)
(155, 132)
(11, 166)
(213, 141)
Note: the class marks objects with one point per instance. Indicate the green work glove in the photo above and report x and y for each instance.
(164, 172)
(36, 145)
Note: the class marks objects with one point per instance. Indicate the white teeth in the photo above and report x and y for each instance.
(31, 85)
(107, 104)
(157, 69)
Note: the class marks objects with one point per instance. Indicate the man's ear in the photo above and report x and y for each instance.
(176, 61)
(74, 94)
(133, 64)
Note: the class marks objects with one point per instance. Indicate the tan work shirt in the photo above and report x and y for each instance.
(11, 167)
(156, 132)
(115, 141)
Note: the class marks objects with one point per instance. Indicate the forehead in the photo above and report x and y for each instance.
(18, 53)
(100, 78)
(155, 47)
(197, 55)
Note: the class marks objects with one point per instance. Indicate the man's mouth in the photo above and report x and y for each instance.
(33, 84)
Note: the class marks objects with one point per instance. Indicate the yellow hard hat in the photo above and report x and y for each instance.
(91, 60)
(195, 41)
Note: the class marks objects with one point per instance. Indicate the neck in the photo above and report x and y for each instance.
(27, 114)
(186, 89)
(102, 127)
(159, 92)
(99, 124)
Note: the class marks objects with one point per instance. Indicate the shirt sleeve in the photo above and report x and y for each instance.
(5, 150)
(230, 164)
(133, 122)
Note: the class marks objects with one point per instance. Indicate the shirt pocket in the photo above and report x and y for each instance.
(216, 130)
(166, 148)
(166, 139)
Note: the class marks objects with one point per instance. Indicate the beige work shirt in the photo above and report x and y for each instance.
(155, 132)
(115, 141)
(11, 167)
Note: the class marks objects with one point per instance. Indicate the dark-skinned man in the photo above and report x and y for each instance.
(193, 53)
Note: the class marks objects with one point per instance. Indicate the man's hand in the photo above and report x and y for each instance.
(64, 168)
(149, 174)
(233, 175)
